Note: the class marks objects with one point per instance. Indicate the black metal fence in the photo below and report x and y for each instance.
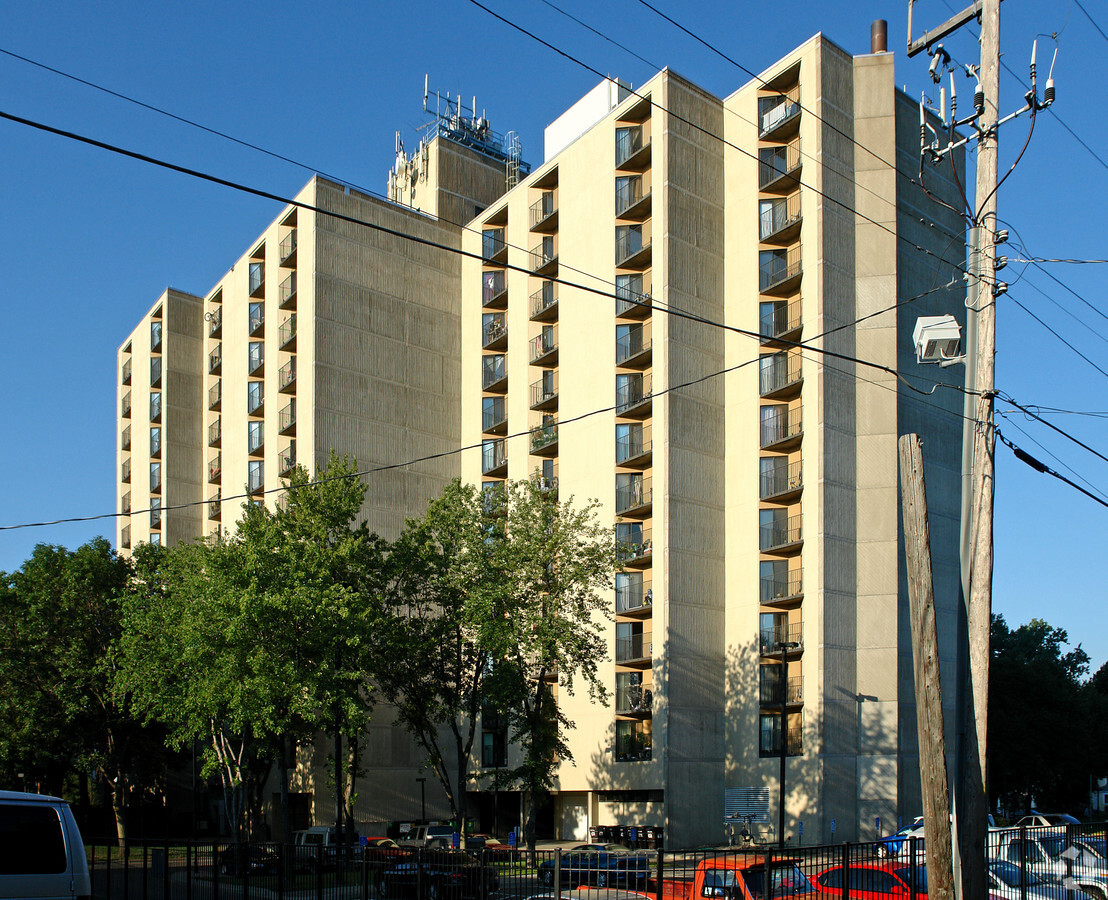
(1066, 863)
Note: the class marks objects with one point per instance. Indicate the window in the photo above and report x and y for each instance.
(155, 538)
(155, 512)
(257, 276)
(33, 841)
(155, 335)
(155, 406)
(255, 393)
(254, 436)
(155, 477)
(257, 317)
(155, 441)
(257, 356)
(256, 475)
(494, 749)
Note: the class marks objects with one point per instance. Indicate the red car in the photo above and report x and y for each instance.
(873, 881)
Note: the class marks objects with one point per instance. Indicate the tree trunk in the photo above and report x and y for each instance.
(286, 819)
(119, 799)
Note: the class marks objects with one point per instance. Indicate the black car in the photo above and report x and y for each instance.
(439, 875)
(238, 860)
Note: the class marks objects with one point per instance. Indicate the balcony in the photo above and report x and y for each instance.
(633, 350)
(632, 197)
(125, 406)
(771, 639)
(632, 747)
(215, 396)
(494, 249)
(125, 439)
(156, 371)
(255, 439)
(544, 392)
(286, 461)
(215, 322)
(769, 745)
(494, 415)
(156, 336)
(494, 289)
(287, 250)
(634, 496)
(544, 257)
(633, 396)
(286, 418)
(779, 168)
(781, 535)
(632, 246)
(215, 468)
(780, 375)
(494, 374)
(286, 377)
(632, 147)
(634, 546)
(215, 507)
(781, 429)
(544, 303)
(494, 459)
(255, 478)
(780, 321)
(255, 360)
(544, 440)
(779, 271)
(155, 443)
(256, 325)
(632, 297)
(633, 448)
(286, 292)
(779, 219)
(782, 481)
(155, 408)
(634, 650)
(770, 690)
(634, 598)
(125, 378)
(155, 478)
(544, 347)
(286, 334)
(775, 589)
(125, 537)
(778, 118)
(155, 520)
(256, 279)
(215, 432)
(125, 504)
(545, 484)
(125, 472)
(635, 700)
(494, 332)
(544, 213)
(215, 360)
(255, 398)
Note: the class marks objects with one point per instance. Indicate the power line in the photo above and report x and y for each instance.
(1058, 336)
(1028, 411)
(1081, 7)
(1008, 418)
(1038, 466)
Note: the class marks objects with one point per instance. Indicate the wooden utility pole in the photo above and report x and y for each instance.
(925, 658)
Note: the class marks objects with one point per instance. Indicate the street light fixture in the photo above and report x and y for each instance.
(784, 647)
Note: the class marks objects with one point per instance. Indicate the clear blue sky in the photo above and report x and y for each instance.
(89, 240)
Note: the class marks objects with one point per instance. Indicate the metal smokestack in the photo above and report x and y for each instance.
(879, 36)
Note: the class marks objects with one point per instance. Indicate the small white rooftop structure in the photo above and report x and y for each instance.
(585, 113)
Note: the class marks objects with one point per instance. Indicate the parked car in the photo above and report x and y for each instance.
(43, 856)
(1003, 880)
(1051, 855)
(238, 860)
(895, 843)
(873, 881)
(602, 865)
(324, 845)
(495, 849)
(379, 853)
(429, 836)
(442, 874)
(1036, 819)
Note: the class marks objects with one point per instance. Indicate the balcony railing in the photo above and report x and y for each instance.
(544, 439)
(215, 360)
(155, 371)
(494, 289)
(125, 472)
(126, 375)
(632, 246)
(286, 292)
(215, 467)
(286, 418)
(255, 360)
(778, 268)
(770, 743)
(156, 480)
(782, 479)
(542, 211)
(770, 691)
(783, 532)
(777, 163)
(215, 432)
(255, 439)
(634, 700)
(215, 395)
(215, 507)
(125, 537)
(544, 257)
(774, 589)
(125, 504)
(494, 456)
(780, 320)
(155, 336)
(286, 376)
(778, 373)
(775, 113)
(494, 373)
(771, 639)
(633, 446)
(778, 216)
(632, 200)
(494, 332)
(125, 406)
(494, 415)
(255, 398)
(781, 427)
(543, 346)
(632, 146)
(287, 249)
(155, 518)
(632, 301)
(125, 439)
(155, 443)
(634, 546)
(633, 495)
(493, 245)
(634, 596)
(632, 395)
(155, 407)
(286, 462)
(215, 322)
(633, 748)
(255, 479)
(256, 278)
(257, 319)
(544, 392)
(632, 345)
(544, 302)
(286, 334)
(634, 647)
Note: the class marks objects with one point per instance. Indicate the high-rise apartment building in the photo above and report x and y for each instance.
(750, 477)
(751, 481)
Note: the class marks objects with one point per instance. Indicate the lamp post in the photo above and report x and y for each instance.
(785, 647)
(422, 800)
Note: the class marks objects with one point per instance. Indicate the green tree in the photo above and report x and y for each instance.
(1038, 717)
(61, 709)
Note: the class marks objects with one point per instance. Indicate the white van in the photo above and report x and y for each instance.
(42, 856)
